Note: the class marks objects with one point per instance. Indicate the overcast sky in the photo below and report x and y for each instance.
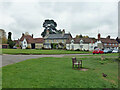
(86, 18)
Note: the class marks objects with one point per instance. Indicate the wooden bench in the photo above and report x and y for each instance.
(76, 62)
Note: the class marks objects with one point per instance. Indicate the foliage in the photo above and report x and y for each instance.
(30, 51)
(28, 47)
(9, 41)
(17, 45)
(80, 36)
(4, 40)
(50, 25)
(11, 44)
(54, 45)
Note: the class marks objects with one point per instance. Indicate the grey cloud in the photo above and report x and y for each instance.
(74, 17)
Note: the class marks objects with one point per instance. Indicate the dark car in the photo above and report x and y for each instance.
(98, 51)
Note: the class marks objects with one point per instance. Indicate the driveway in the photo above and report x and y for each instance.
(10, 59)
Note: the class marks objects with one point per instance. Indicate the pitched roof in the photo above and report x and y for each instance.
(85, 40)
(38, 40)
(58, 36)
(108, 40)
(29, 38)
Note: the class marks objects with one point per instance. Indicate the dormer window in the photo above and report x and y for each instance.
(81, 41)
(105, 43)
(72, 41)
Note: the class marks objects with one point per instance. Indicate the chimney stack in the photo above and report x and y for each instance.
(108, 36)
(99, 36)
(22, 34)
(63, 32)
(32, 35)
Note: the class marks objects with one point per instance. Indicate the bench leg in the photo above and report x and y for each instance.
(73, 66)
(78, 66)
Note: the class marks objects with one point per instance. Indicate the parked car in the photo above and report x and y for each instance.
(14, 47)
(115, 51)
(107, 50)
(98, 51)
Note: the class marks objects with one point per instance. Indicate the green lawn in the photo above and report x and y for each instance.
(49, 72)
(35, 51)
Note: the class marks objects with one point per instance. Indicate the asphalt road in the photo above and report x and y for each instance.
(10, 59)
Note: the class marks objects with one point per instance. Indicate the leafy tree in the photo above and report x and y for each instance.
(4, 40)
(86, 36)
(77, 36)
(10, 42)
(51, 26)
(80, 36)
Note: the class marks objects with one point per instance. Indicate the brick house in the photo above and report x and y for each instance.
(59, 39)
(106, 42)
(27, 41)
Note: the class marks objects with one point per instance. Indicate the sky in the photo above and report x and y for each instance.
(76, 17)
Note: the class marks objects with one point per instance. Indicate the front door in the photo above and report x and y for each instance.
(33, 45)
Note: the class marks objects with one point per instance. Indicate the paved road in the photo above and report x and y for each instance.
(10, 59)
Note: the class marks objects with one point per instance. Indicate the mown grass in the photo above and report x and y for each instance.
(109, 55)
(0, 78)
(35, 51)
(49, 72)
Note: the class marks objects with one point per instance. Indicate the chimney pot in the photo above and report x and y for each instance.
(108, 36)
(22, 34)
(32, 35)
(99, 36)
(63, 32)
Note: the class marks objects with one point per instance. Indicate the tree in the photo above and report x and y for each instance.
(4, 40)
(80, 36)
(51, 26)
(10, 42)
(77, 36)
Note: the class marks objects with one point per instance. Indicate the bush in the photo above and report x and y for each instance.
(28, 47)
(77, 50)
(17, 45)
(11, 43)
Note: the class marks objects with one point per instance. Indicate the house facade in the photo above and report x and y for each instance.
(58, 39)
(3, 35)
(27, 41)
(81, 44)
(107, 42)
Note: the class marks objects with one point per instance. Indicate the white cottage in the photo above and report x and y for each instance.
(81, 44)
(24, 44)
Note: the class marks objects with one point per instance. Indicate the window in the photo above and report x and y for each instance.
(62, 41)
(47, 40)
(113, 44)
(116, 44)
(109, 43)
(52, 41)
(73, 47)
(72, 41)
(24, 42)
(91, 46)
(81, 46)
(81, 41)
(105, 43)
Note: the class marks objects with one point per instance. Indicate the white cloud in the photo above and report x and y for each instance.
(77, 18)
